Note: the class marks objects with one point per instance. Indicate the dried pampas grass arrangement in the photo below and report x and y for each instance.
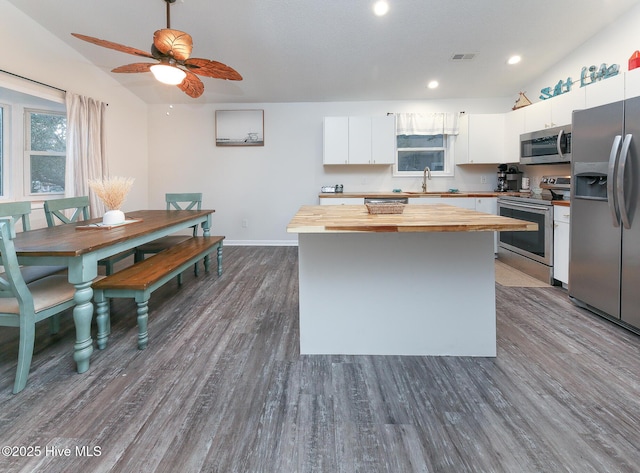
(111, 190)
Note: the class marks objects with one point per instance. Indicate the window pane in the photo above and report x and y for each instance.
(48, 132)
(418, 160)
(47, 174)
(420, 141)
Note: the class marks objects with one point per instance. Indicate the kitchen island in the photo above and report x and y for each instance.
(417, 283)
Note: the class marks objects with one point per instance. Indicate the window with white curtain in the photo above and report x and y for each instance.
(32, 142)
(425, 140)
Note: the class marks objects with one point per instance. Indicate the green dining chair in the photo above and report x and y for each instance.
(22, 305)
(19, 212)
(58, 210)
(174, 201)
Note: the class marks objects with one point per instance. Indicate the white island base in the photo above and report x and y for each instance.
(423, 293)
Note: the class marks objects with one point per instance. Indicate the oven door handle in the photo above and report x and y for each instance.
(545, 208)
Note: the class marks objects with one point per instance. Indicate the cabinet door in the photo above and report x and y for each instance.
(341, 201)
(538, 116)
(336, 140)
(489, 205)
(632, 83)
(605, 91)
(383, 139)
(486, 138)
(561, 244)
(462, 202)
(359, 140)
(514, 127)
(562, 106)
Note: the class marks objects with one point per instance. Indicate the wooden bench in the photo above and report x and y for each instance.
(139, 280)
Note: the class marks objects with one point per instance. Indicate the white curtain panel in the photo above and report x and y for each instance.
(427, 123)
(86, 157)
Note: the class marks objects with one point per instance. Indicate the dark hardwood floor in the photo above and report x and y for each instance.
(222, 388)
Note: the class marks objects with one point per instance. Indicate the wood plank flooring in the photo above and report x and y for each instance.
(222, 388)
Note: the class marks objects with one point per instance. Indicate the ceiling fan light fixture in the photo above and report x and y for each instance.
(166, 74)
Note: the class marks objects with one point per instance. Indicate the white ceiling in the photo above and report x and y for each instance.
(337, 50)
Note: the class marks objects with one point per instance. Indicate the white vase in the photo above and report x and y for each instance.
(113, 217)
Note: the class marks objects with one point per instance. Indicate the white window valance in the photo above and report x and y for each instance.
(427, 123)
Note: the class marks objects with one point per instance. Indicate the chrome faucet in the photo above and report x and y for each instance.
(427, 171)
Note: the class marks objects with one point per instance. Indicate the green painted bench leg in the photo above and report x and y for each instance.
(102, 318)
(54, 324)
(220, 259)
(143, 317)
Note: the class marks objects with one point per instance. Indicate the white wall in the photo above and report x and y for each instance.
(31, 51)
(266, 185)
(613, 45)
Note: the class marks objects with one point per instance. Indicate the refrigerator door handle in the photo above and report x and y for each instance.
(620, 190)
(611, 172)
(559, 144)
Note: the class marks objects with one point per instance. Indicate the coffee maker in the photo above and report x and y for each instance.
(502, 179)
(509, 179)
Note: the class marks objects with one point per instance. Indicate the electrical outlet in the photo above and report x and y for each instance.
(483, 179)
(245, 223)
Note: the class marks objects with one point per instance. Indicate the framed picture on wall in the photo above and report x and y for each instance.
(239, 127)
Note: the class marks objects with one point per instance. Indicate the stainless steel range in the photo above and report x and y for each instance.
(532, 252)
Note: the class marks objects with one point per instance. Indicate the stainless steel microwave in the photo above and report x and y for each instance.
(548, 146)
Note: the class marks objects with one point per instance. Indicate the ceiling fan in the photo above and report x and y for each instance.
(172, 49)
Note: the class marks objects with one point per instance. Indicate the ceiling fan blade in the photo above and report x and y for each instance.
(136, 67)
(192, 85)
(111, 45)
(207, 68)
(173, 43)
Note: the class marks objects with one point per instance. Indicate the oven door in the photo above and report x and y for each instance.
(537, 245)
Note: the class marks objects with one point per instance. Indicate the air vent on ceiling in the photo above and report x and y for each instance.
(463, 56)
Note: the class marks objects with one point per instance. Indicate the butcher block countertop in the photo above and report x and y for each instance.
(415, 218)
(379, 195)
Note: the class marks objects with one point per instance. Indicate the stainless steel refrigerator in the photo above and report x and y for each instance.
(604, 267)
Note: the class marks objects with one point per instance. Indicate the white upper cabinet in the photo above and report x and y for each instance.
(480, 140)
(562, 106)
(514, 127)
(537, 116)
(632, 83)
(336, 140)
(605, 91)
(383, 139)
(359, 140)
(555, 111)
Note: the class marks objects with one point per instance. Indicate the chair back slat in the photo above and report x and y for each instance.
(13, 282)
(18, 211)
(185, 201)
(60, 209)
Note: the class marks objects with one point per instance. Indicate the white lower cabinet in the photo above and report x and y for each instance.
(489, 205)
(342, 201)
(462, 202)
(561, 218)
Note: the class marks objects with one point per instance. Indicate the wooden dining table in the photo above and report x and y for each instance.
(80, 246)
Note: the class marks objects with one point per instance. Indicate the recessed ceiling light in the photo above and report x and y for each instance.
(514, 60)
(381, 7)
(433, 84)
